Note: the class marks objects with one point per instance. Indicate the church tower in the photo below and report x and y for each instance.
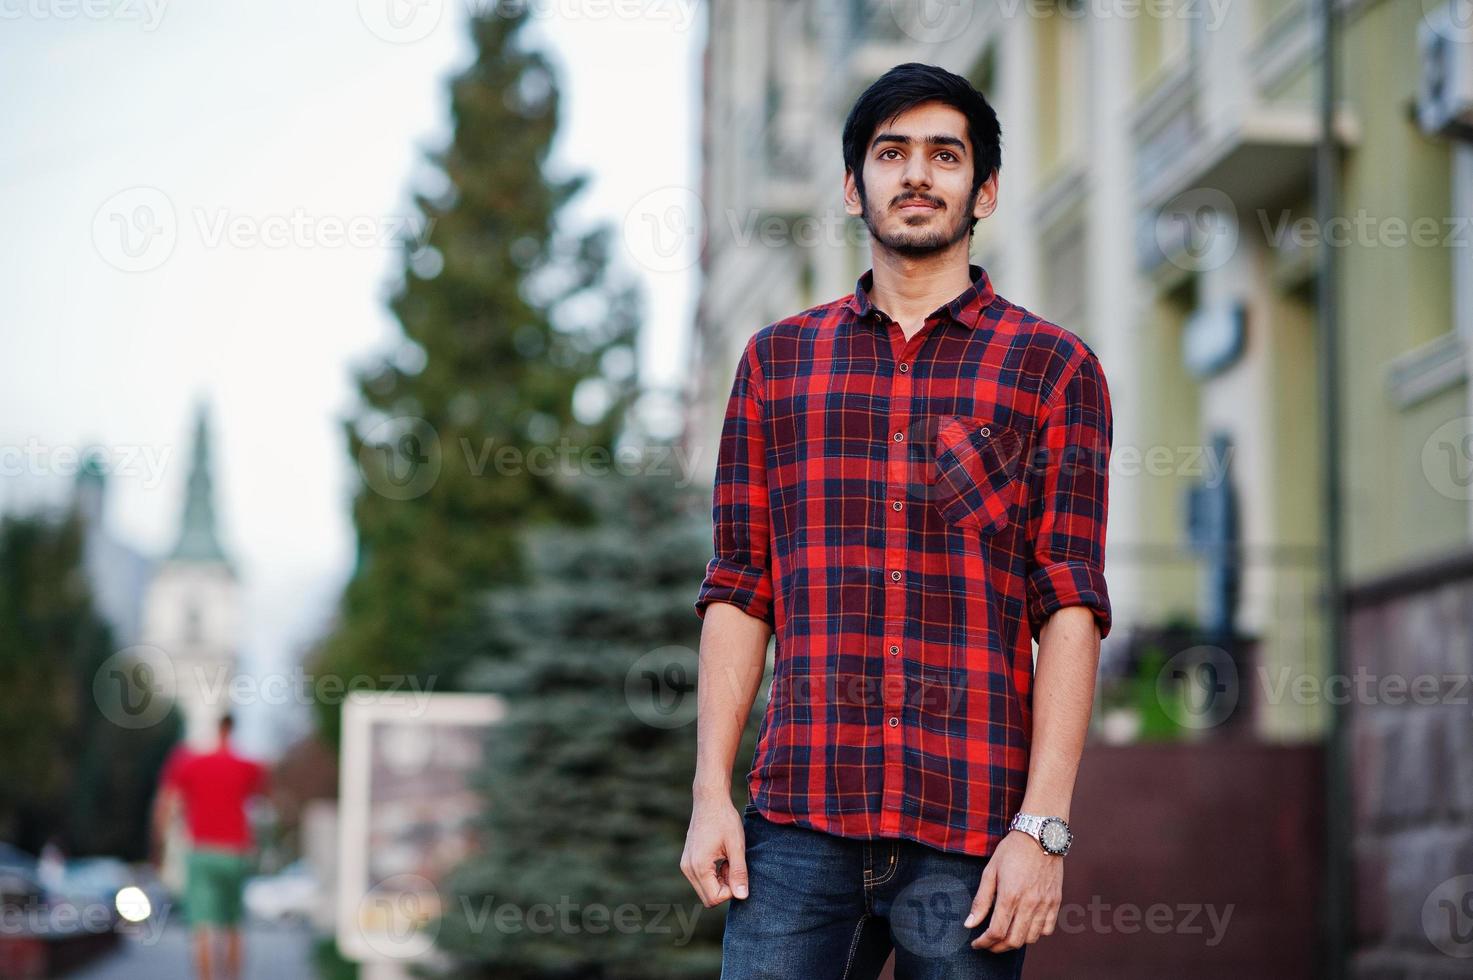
(192, 610)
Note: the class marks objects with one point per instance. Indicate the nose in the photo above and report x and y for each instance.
(917, 175)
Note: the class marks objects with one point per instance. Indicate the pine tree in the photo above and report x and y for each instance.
(505, 321)
(588, 779)
(72, 772)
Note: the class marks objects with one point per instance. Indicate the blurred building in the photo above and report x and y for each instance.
(192, 611)
(117, 572)
(184, 605)
(1157, 198)
(1156, 174)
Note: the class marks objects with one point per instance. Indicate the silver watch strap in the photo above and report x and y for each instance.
(1030, 823)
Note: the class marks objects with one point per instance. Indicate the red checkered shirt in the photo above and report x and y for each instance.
(906, 514)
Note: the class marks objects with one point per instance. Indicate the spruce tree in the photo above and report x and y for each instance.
(587, 781)
(505, 319)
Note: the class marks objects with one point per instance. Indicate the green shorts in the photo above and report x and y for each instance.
(213, 883)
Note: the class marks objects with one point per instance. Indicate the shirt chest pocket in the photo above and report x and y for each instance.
(977, 472)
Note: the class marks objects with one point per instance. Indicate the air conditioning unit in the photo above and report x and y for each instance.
(1445, 88)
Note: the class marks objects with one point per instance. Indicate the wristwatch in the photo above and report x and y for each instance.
(1052, 833)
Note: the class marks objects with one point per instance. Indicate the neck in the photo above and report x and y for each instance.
(909, 288)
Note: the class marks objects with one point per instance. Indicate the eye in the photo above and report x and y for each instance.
(948, 153)
(889, 150)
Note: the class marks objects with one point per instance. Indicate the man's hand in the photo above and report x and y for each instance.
(1026, 884)
(715, 857)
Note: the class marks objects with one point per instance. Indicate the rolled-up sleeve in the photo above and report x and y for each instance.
(740, 571)
(1066, 526)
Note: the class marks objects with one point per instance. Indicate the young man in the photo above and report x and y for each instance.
(910, 488)
(213, 787)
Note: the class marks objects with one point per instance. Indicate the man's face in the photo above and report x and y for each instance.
(918, 173)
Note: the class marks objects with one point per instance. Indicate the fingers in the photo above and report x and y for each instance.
(736, 867)
(692, 876)
(688, 868)
(1020, 927)
(1040, 923)
(713, 883)
(1001, 906)
(1016, 923)
(719, 876)
(1050, 920)
(1022, 897)
(982, 901)
(995, 937)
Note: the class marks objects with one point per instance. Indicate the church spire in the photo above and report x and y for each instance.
(197, 538)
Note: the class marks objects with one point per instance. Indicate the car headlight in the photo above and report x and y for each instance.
(133, 904)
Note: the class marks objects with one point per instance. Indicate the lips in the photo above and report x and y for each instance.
(917, 205)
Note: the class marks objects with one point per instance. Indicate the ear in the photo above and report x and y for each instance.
(986, 201)
(852, 204)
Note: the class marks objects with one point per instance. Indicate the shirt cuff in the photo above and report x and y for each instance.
(747, 587)
(1067, 583)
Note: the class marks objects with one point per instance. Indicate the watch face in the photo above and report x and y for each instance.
(1055, 836)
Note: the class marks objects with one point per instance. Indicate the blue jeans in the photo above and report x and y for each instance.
(823, 907)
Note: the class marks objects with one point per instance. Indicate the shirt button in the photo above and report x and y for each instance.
(894, 650)
(894, 721)
(904, 367)
(899, 436)
(895, 505)
(986, 431)
(895, 576)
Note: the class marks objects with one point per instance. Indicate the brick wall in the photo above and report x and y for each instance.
(1192, 860)
(1411, 726)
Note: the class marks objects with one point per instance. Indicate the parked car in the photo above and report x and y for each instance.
(289, 896)
(20, 890)
(13, 857)
(91, 885)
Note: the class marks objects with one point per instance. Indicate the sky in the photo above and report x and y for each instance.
(201, 198)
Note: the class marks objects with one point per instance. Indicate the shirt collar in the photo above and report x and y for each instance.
(966, 309)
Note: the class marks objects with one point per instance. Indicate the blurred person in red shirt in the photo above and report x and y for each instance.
(213, 788)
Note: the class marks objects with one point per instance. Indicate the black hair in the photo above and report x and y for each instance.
(906, 86)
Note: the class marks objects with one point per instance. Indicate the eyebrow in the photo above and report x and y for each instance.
(948, 141)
